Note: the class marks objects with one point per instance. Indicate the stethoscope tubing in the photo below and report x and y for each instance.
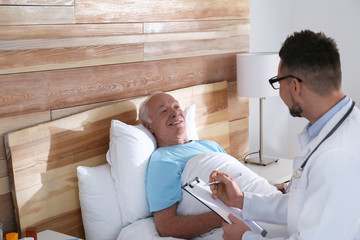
(299, 170)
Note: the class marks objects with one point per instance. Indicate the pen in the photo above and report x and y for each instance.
(287, 185)
(216, 182)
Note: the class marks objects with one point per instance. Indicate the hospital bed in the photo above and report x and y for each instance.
(65, 174)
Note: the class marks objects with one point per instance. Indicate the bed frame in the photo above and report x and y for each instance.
(43, 159)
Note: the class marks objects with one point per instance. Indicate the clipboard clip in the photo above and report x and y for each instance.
(194, 182)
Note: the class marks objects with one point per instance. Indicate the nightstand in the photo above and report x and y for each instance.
(277, 172)
(49, 234)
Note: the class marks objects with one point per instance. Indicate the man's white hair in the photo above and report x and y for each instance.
(144, 110)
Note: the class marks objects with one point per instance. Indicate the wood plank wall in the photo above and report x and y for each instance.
(56, 54)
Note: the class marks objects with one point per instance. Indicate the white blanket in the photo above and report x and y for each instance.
(201, 166)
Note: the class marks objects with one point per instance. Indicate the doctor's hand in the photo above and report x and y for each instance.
(281, 187)
(235, 230)
(227, 190)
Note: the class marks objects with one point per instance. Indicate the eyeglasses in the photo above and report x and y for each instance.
(274, 81)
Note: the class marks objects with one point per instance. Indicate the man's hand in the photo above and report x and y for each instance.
(227, 190)
(281, 187)
(235, 230)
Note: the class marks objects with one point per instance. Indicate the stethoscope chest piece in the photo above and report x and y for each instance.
(298, 172)
(294, 179)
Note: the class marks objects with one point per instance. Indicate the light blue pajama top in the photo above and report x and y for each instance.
(163, 182)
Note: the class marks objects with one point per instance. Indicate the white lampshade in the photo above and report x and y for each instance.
(253, 72)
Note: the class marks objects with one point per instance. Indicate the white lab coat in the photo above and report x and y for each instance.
(325, 203)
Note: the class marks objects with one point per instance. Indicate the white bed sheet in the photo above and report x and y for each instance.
(201, 166)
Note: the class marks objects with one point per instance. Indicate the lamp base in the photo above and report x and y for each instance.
(264, 161)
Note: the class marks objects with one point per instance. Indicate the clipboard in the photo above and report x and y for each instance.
(199, 190)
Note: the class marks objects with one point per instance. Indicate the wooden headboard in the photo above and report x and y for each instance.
(43, 159)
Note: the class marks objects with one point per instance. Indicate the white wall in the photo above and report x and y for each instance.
(271, 21)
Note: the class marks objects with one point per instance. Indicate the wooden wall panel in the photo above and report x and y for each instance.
(238, 122)
(37, 2)
(47, 90)
(89, 11)
(31, 44)
(17, 15)
(7, 215)
(239, 138)
(3, 168)
(65, 112)
(61, 53)
(73, 57)
(167, 50)
(4, 185)
(67, 49)
(67, 31)
(9, 124)
(234, 27)
(238, 106)
(45, 47)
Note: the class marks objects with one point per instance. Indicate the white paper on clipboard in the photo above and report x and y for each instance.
(199, 190)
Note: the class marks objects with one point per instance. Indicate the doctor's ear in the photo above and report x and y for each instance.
(296, 86)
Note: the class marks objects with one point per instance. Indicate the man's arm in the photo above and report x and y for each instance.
(170, 224)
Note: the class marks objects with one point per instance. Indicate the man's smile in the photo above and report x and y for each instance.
(176, 122)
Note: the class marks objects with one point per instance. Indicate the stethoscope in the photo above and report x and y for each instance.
(297, 174)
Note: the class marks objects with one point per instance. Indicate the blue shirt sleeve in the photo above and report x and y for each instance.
(163, 185)
(163, 181)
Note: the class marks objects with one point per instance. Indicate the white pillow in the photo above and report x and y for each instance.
(99, 207)
(190, 113)
(121, 190)
(129, 152)
(128, 155)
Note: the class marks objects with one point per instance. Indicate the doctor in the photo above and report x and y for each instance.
(323, 195)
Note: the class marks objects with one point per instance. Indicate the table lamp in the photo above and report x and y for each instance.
(253, 72)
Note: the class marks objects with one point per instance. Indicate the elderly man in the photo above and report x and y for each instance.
(323, 198)
(162, 115)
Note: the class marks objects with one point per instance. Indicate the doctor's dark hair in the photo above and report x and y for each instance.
(314, 58)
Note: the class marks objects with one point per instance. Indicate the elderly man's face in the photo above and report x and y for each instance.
(168, 120)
